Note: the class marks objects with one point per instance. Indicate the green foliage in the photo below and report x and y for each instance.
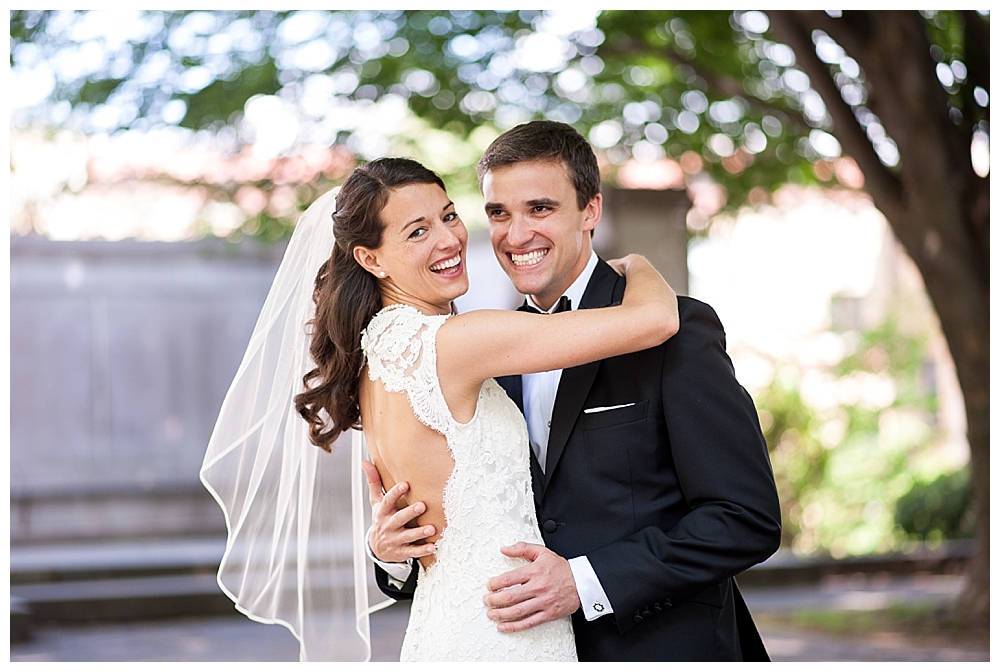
(224, 99)
(27, 26)
(953, 40)
(713, 87)
(214, 61)
(938, 509)
(842, 463)
(882, 348)
(720, 96)
(798, 458)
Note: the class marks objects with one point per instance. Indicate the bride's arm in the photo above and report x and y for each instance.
(484, 344)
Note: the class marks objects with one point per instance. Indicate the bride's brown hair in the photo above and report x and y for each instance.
(347, 297)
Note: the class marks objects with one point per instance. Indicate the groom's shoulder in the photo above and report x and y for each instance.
(697, 319)
(690, 304)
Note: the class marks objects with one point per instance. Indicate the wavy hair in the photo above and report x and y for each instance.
(347, 297)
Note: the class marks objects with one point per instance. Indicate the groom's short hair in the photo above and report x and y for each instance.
(546, 141)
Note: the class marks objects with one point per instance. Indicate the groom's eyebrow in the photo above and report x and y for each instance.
(551, 202)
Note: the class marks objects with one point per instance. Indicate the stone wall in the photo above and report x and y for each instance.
(121, 354)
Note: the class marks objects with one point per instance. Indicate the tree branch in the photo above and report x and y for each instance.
(794, 28)
(893, 49)
(977, 54)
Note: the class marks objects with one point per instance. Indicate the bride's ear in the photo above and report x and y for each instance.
(368, 260)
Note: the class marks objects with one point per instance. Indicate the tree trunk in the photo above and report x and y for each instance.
(934, 202)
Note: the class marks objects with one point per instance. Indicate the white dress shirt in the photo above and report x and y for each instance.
(538, 397)
(538, 390)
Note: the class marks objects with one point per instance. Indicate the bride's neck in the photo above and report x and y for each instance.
(423, 306)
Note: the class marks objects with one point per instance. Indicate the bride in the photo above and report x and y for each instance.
(389, 353)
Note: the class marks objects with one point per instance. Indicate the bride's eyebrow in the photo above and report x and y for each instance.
(411, 222)
(450, 204)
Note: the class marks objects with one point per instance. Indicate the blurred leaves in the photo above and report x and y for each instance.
(225, 99)
(847, 461)
(711, 89)
(938, 509)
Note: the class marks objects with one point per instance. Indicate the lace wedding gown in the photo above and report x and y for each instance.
(487, 504)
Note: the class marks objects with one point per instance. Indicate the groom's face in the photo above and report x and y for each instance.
(540, 235)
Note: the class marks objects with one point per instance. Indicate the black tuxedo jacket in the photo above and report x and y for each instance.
(669, 495)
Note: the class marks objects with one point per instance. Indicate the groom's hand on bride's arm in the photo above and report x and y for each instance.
(390, 539)
(536, 593)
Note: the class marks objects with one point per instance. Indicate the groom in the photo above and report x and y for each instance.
(651, 478)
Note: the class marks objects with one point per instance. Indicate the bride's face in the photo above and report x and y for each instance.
(423, 249)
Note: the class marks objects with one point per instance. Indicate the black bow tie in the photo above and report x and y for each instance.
(564, 304)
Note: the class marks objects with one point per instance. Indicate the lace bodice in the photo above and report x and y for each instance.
(487, 502)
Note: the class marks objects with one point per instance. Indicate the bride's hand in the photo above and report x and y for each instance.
(631, 264)
(646, 288)
(620, 265)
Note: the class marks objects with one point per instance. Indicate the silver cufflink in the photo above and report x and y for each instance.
(598, 606)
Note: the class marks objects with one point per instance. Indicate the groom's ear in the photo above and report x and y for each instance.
(368, 260)
(592, 213)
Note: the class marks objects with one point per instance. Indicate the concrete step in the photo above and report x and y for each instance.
(20, 621)
(54, 563)
(127, 599)
(119, 580)
(114, 580)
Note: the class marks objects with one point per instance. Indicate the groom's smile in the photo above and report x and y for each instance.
(528, 258)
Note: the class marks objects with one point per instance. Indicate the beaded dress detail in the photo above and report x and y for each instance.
(487, 503)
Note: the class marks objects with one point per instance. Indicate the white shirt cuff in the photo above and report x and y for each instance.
(593, 599)
(398, 572)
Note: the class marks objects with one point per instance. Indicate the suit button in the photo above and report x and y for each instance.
(646, 613)
(637, 618)
(657, 608)
(549, 526)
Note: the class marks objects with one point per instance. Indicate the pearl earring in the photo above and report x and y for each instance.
(382, 274)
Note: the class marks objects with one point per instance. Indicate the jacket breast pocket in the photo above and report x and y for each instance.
(611, 434)
(599, 417)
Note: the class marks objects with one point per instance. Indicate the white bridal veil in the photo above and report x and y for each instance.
(295, 514)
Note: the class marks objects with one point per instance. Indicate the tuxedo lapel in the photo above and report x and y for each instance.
(575, 383)
(574, 386)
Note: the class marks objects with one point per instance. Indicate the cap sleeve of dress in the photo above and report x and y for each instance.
(399, 344)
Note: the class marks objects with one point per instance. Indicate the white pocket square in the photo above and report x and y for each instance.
(601, 409)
